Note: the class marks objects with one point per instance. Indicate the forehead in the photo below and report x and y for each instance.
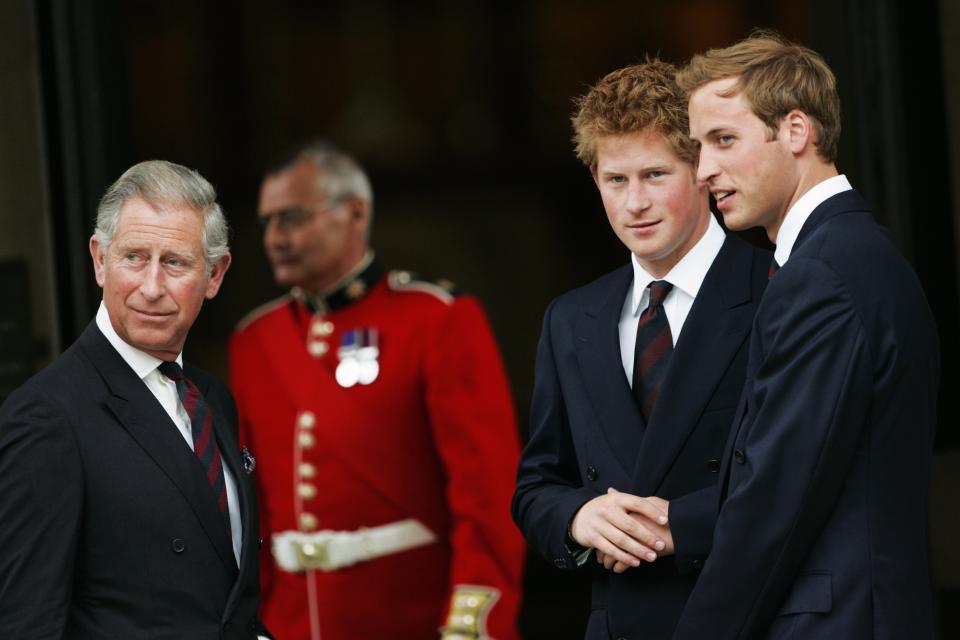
(176, 227)
(644, 147)
(295, 186)
(712, 105)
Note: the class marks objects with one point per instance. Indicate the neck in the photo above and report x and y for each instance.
(812, 175)
(354, 266)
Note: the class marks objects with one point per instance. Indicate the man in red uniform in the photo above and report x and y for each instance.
(378, 409)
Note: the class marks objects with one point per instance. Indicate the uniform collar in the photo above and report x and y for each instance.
(345, 291)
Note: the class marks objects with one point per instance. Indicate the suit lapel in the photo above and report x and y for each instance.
(230, 453)
(140, 414)
(597, 347)
(712, 334)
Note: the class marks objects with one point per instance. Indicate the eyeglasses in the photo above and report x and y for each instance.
(293, 217)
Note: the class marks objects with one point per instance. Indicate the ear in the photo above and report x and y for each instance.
(799, 130)
(216, 276)
(99, 260)
(359, 210)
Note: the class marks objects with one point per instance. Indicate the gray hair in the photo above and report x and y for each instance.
(341, 176)
(161, 183)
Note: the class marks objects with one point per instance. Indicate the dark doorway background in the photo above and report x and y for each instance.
(460, 113)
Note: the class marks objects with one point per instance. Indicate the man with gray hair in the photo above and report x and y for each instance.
(380, 409)
(127, 507)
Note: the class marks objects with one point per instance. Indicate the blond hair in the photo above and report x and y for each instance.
(775, 76)
(631, 100)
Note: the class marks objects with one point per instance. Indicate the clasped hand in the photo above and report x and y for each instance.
(624, 529)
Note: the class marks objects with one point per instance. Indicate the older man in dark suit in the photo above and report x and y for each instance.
(126, 505)
(639, 372)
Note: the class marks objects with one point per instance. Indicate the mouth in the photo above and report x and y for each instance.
(283, 261)
(644, 227)
(723, 197)
(153, 315)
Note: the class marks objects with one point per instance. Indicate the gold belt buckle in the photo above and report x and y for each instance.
(313, 555)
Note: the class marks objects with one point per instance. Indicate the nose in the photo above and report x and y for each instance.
(637, 198)
(151, 287)
(707, 168)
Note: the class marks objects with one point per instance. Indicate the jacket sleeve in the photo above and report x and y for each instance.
(474, 427)
(804, 411)
(549, 490)
(41, 500)
(692, 520)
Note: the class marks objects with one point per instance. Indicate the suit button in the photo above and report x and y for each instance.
(591, 473)
(178, 545)
(739, 456)
(713, 465)
(560, 563)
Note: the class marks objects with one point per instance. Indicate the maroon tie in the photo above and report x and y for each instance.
(653, 348)
(201, 427)
(774, 267)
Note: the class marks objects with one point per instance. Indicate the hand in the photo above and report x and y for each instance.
(663, 531)
(608, 524)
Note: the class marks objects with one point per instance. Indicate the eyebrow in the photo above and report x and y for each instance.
(644, 169)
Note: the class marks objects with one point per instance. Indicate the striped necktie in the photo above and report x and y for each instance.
(653, 348)
(201, 428)
(774, 267)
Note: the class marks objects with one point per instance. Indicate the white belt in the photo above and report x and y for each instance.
(332, 550)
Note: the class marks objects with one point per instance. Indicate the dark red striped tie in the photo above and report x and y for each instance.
(774, 267)
(201, 427)
(653, 348)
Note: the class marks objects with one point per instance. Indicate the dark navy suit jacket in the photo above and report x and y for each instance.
(108, 527)
(587, 433)
(821, 531)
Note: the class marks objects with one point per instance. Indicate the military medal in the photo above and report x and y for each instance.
(358, 355)
(367, 357)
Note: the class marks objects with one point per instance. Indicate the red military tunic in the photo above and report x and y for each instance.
(432, 438)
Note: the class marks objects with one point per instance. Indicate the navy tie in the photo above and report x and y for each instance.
(653, 349)
(201, 427)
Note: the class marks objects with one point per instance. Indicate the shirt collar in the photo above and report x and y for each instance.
(688, 274)
(141, 362)
(801, 210)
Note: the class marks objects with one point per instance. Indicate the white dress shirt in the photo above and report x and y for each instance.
(686, 277)
(165, 391)
(801, 210)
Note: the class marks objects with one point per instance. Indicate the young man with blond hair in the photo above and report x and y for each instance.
(638, 373)
(824, 480)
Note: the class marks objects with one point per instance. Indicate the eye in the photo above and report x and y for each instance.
(656, 174)
(724, 140)
(617, 179)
